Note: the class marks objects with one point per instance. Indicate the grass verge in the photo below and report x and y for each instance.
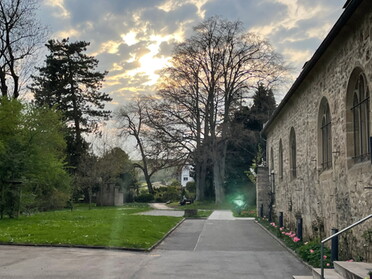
(103, 227)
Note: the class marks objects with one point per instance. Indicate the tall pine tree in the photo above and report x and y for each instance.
(69, 81)
(245, 133)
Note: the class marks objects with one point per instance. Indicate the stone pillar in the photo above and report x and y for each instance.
(263, 189)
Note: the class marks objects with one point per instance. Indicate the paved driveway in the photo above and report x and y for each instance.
(196, 249)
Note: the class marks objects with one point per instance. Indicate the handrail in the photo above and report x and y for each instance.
(334, 235)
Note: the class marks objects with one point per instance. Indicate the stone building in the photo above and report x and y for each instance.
(110, 195)
(318, 139)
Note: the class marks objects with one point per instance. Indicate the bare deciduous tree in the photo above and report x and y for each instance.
(211, 73)
(20, 37)
(134, 120)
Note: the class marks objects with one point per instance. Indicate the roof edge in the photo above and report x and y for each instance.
(350, 7)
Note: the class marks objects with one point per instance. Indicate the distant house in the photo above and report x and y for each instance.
(186, 175)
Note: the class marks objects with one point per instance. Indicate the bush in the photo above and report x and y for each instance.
(191, 187)
(146, 197)
(170, 193)
(310, 253)
(175, 183)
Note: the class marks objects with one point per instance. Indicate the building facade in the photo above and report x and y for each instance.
(186, 175)
(318, 139)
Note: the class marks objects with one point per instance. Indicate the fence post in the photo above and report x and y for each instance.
(261, 210)
(334, 246)
(281, 223)
(299, 228)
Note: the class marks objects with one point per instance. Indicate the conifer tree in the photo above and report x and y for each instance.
(69, 81)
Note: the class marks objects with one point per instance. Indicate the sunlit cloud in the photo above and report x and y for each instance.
(60, 5)
(67, 33)
(134, 39)
(111, 47)
(130, 38)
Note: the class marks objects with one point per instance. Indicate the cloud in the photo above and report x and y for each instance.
(134, 39)
(252, 13)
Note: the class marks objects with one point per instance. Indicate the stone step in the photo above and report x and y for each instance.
(302, 277)
(353, 270)
(328, 274)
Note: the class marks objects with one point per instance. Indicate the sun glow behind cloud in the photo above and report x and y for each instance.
(133, 39)
(150, 63)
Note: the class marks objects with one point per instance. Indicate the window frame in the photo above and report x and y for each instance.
(325, 135)
(360, 119)
(281, 160)
(293, 154)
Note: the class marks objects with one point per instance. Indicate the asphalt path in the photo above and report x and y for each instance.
(215, 248)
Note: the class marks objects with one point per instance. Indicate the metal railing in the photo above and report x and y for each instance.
(334, 235)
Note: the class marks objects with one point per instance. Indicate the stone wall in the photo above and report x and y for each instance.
(110, 195)
(337, 197)
(263, 188)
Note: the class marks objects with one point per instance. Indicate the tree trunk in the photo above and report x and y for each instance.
(218, 182)
(219, 172)
(201, 174)
(4, 87)
(148, 181)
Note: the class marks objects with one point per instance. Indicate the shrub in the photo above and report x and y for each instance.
(310, 253)
(146, 197)
(170, 193)
(191, 187)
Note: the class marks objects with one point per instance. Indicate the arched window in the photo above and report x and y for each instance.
(360, 118)
(325, 135)
(292, 153)
(280, 159)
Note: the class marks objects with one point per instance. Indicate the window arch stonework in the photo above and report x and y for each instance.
(292, 154)
(281, 160)
(325, 135)
(272, 160)
(357, 115)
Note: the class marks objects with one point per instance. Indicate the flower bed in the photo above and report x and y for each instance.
(308, 251)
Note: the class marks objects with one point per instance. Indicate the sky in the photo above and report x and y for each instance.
(134, 39)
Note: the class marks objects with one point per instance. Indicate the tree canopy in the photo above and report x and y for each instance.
(212, 73)
(31, 153)
(70, 83)
(20, 37)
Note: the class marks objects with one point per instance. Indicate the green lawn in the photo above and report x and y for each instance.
(109, 227)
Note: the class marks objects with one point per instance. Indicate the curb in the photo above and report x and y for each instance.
(165, 236)
(76, 246)
(285, 246)
(97, 247)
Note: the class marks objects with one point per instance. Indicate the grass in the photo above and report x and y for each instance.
(202, 213)
(107, 226)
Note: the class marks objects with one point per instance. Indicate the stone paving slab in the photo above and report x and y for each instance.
(161, 206)
(225, 215)
(159, 212)
(205, 249)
